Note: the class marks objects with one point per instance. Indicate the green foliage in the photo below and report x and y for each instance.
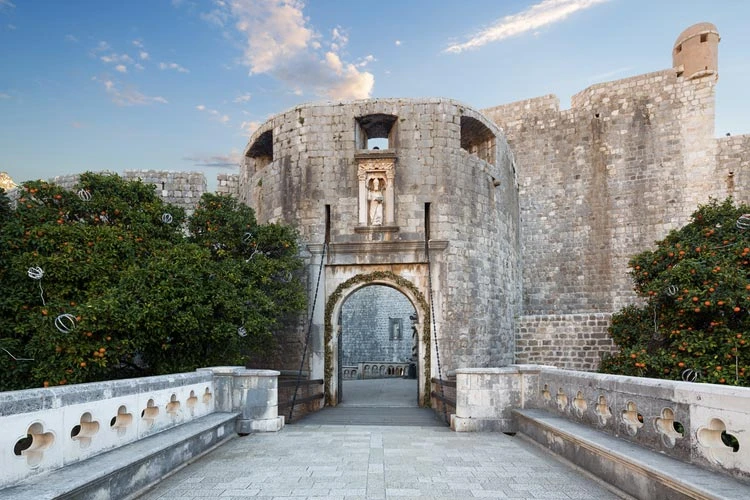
(695, 321)
(147, 298)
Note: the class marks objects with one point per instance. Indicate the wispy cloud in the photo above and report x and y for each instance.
(242, 98)
(173, 66)
(249, 127)
(537, 16)
(214, 114)
(609, 74)
(7, 4)
(128, 96)
(280, 41)
(3, 95)
(232, 160)
(121, 68)
(71, 38)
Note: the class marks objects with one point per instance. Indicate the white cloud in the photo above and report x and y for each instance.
(71, 38)
(249, 127)
(7, 4)
(138, 43)
(397, 42)
(101, 47)
(366, 60)
(143, 55)
(280, 42)
(129, 96)
(535, 17)
(232, 160)
(242, 98)
(121, 68)
(12, 27)
(3, 95)
(117, 59)
(214, 114)
(173, 66)
(139, 67)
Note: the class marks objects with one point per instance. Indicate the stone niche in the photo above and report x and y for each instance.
(376, 172)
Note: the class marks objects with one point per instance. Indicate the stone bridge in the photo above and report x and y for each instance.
(522, 431)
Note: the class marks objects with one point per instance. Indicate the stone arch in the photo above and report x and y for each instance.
(386, 278)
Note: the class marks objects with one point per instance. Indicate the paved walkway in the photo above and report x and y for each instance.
(351, 462)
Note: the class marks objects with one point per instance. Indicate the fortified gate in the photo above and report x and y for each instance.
(417, 195)
(511, 226)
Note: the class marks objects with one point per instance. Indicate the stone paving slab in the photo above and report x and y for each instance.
(348, 462)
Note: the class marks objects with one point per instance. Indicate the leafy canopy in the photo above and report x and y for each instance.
(694, 323)
(136, 288)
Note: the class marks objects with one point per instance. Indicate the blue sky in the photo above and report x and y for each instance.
(181, 84)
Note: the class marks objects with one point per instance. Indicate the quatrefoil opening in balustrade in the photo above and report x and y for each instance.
(562, 399)
(631, 418)
(84, 430)
(602, 410)
(207, 396)
(546, 394)
(150, 413)
(718, 441)
(669, 429)
(121, 421)
(192, 400)
(579, 404)
(173, 407)
(34, 444)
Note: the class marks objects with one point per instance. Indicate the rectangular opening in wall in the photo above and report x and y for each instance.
(678, 49)
(328, 224)
(426, 222)
(704, 38)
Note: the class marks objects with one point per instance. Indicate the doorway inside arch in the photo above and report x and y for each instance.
(378, 349)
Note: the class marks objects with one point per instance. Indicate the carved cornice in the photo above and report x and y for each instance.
(379, 247)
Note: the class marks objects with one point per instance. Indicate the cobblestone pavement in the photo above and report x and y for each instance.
(343, 462)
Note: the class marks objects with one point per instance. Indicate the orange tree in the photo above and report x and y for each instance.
(693, 323)
(105, 282)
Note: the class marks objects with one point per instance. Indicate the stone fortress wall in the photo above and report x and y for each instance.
(183, 189)
(578, 190)
(309, 167)
(376, 326)
(628, 162)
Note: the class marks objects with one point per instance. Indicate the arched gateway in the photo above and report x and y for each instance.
(437, 202)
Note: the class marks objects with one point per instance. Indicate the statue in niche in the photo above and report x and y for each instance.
(375, 198)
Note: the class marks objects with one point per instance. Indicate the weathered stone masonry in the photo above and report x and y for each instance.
(629, 161)
(533, 210)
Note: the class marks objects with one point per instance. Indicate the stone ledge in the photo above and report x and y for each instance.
(127, 471)
(627, 466)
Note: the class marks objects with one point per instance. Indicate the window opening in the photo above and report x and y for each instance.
(376, 132)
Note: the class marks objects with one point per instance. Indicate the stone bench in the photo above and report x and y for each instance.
(631, 468)
(127, 471)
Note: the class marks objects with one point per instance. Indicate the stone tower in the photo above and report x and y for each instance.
(438, 199)
(696, 51)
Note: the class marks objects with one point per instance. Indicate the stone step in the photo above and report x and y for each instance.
(126, 471)
(369, 415)
(639, 472)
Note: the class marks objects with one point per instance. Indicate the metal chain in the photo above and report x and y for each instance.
(434, 331)
(309, 328)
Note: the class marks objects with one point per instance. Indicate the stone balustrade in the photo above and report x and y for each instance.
(375, 369)
(46, 429)
(703, 424)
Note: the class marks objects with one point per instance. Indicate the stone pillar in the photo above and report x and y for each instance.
(252, 393)
(255, 394)
(223, 380)
(485, 398)
(362, 198)
(389, 216)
